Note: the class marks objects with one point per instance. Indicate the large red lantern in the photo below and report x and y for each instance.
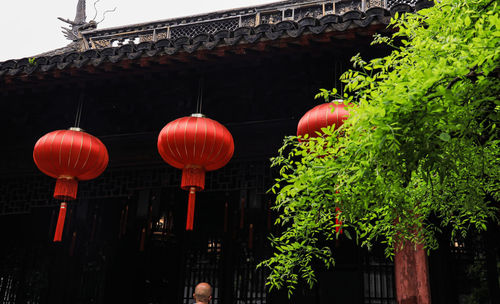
(195, 144)
(322, 116)
(69, 156)
(319, 117)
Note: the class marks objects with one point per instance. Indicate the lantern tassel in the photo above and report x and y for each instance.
(60, 222)
(66, 188)
(338, 223)
(190, 212)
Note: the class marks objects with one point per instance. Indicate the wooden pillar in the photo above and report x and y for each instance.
(412, 275)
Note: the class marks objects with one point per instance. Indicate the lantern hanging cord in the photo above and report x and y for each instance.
(79, 111)
(335, 75)
(341, 83)
(199, 102)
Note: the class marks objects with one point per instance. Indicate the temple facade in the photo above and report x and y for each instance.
(256, 71)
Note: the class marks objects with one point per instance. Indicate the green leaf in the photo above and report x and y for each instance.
(445, 136)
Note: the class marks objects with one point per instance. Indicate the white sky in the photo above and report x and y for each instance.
(30, 27)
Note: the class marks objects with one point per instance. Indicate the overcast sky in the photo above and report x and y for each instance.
(30, 27)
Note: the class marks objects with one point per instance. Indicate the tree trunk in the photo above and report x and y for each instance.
(412, 275)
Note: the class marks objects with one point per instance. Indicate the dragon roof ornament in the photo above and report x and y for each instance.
(80, 23)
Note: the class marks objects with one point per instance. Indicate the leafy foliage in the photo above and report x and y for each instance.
(419, 152)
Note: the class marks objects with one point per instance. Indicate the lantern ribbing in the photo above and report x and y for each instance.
(195, 144)
(322, 116)
(69, 156)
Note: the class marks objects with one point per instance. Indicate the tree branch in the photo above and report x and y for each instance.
(470, 75)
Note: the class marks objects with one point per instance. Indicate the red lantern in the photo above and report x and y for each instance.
(195, 144)
(319, 117)
(322, 116)
(70, 156)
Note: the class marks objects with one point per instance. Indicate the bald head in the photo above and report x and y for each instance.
(203, 293)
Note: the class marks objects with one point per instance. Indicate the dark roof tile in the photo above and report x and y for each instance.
(171, 50)
(202, 38)
(364, 22)
(208, 41)
(30, 69)
(152, 52)
(23, 62)
(10, 64)
(421, 4)
(262, 28)
(352, 15)
(286, 25)
(401, 8)
(116, 58)
(56, 59)
(13, 72)
(342, 26)
(41, 60)
(71, 56)
(163, 43)
(242, 31)
(295, 33)
(222, 34)
(181, 41)
(253, 38)
(47, 67)
(308, 21)
(134, 55)
(124, 49)
(97, 61)
(145, 46)
(273, 35)
(329, 19)
(376, 11)
(77, 63)
(63, 65)
(110, 51)
(317, 29)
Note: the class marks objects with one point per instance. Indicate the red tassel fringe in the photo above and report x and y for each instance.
(66, 189)
(193, 177)
(60, 222)
(190, 212)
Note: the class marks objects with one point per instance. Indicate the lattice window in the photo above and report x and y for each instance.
(102, 43)
(270, 18)
(249, 282)
(248, 20)
(203, 266)
(391, 3)
(312, 11)
(20, 194)
(202, 28)
(375, 3)
(8, 289)
(345, 6)
(378, 281)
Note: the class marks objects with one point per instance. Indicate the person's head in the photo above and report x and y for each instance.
(203, 293)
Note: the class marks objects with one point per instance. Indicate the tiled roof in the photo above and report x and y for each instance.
(245, 35)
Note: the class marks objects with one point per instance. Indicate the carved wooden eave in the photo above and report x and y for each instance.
(285, 25)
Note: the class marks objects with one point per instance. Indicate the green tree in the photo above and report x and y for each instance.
(419, 152)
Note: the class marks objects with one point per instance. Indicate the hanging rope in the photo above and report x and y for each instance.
(338, 69)
(79, 110)
(341, 83)
(199, 101)
(335, 79)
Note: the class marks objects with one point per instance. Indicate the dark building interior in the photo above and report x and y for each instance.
(124, 239)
